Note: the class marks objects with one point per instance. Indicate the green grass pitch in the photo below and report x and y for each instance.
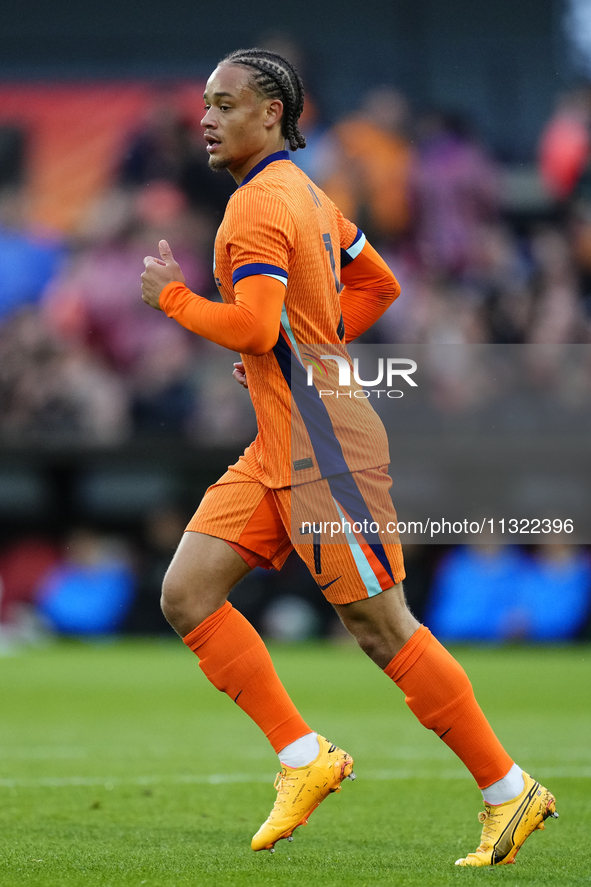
(121, 766)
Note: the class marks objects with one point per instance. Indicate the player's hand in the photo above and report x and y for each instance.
(158, 273)
(239, 374)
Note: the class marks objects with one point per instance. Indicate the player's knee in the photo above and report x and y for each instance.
(187, 601)
(368, 633)
(370, 642)
(172, 599)
(179, 596)
(381, 625)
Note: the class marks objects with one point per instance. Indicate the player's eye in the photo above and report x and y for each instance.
(224, 107)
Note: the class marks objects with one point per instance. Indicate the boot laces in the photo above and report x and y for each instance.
(489, 823)
(283, 783)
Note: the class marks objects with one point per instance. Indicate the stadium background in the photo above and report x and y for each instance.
(458, 138)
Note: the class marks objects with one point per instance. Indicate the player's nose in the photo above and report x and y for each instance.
(208, 119)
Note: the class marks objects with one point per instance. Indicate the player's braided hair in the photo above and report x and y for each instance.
(276, 78)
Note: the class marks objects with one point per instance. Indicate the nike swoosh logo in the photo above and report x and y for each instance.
(323, 587)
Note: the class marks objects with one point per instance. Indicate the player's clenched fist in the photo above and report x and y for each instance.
(239, 374)
(159, 273)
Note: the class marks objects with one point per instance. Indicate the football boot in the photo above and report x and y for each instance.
(505, 827)
(300, 790)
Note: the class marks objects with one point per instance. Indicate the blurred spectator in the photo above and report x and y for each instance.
(51, 392)
(162, 532)
(22, 564)
(557, 311)
(164, 400)
(28, 261)
(98, 297)
(565, 143)
(555, 595)
(96, 302)
(364, 163)
(475, 587)
(170, 147)
(455, 196)
(91, 590)
(497, 593)
(504, 278)
(310, 123)
(12, 156)
(226, 416)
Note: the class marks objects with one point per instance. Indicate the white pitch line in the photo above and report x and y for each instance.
(111, 782)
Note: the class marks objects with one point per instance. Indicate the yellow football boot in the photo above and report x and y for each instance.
(300, 790)
(505, 827)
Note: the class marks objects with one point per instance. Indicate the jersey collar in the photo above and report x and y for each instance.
(278, 155)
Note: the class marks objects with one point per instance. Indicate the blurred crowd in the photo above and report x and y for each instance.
(82, 359)
(95, 584)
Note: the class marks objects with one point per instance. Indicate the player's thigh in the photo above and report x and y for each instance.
(235, 528)
(204, 567)
(202, 573)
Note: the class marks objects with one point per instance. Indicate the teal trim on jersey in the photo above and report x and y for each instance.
(287, 327)
(368, 576)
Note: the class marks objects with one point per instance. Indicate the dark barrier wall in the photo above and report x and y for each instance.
(503, 62)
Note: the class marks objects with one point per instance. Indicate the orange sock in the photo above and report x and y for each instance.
(439, 693)
(234, 658)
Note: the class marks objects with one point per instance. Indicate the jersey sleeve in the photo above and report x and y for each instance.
(369, 288)
(259, 235)
(250, 325)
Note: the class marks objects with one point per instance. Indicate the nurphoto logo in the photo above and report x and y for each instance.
(392, 369)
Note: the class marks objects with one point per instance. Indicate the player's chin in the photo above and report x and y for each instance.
(218, 163)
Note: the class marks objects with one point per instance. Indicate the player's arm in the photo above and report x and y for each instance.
(369, 287)
(250, 325)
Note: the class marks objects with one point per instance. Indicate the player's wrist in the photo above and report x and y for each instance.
(170, 294)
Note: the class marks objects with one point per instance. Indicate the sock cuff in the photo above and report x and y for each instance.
(205, 629)
(491, 781)
(408, 655)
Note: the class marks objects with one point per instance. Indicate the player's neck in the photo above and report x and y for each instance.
(239, 173)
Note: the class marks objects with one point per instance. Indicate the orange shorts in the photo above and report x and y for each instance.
(342, 527)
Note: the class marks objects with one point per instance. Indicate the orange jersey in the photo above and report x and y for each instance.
(279, 225)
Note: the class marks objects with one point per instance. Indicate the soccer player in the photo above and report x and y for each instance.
(294, 274)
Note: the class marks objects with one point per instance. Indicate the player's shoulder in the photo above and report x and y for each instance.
(292, 182)
(289, 185)
(272, 195)
(285, 196)
(260, 191)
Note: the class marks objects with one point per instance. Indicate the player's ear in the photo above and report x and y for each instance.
(274, 112)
